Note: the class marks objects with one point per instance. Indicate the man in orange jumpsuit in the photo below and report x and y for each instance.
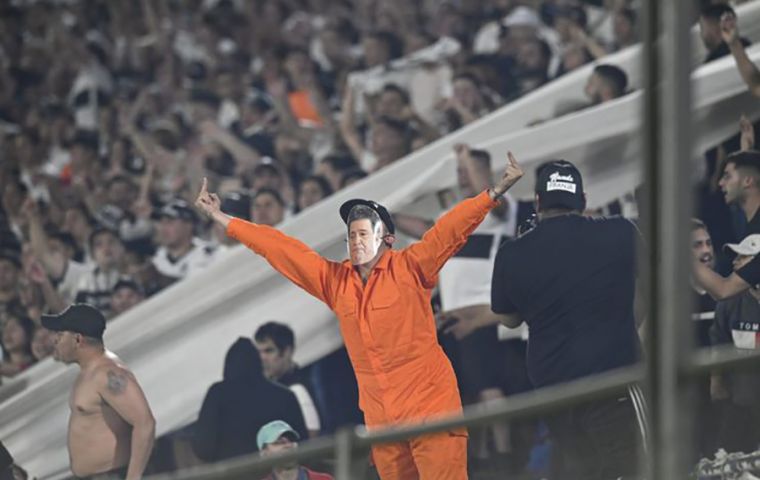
(382, 300)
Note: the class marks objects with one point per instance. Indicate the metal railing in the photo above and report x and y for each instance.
(671, 362)
(350, 445)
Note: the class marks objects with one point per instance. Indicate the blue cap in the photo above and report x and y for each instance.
(270, 432)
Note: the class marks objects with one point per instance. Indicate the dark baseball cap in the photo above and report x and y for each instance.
(345, 209)
(178, 209)
(560, 185)
(11, 255)
(78, 318)
(237, 204)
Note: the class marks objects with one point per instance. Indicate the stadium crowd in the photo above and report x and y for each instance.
(112, 113)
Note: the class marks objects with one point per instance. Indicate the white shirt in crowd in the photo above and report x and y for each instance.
(465, 279)
(309, 410)
(201, 255)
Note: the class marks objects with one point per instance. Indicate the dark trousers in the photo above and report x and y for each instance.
(596, 441)
(740, 429)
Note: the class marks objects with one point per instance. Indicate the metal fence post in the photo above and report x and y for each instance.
(667, 129)
(344, 443)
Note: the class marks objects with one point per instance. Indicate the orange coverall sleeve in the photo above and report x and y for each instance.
(292, 258)
(447, 236)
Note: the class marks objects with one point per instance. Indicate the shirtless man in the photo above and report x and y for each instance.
(111, 428)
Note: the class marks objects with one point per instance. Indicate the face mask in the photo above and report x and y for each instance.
(367, 248)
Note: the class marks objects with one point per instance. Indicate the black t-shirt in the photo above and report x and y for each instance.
(704, 313)
(753, 226)
(750, 272)
(572, 279)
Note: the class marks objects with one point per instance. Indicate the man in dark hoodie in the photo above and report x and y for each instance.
(238, 406)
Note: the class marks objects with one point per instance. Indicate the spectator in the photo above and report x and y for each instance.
(702, 318)
(242, 403)
(380, 47)
(16, 343)
(607, 82)
(737, 321)
(352, 176)
(278, 437)
(533, 58)
(43, 343)
(10, 265)
(574, 56)
(730, 35)
(276, 345)
(95, 286)
(78, 222)
(467, 103)
(125, 294)
(267, 207)
(6, 463)
(333, 167)
(267, 175)
(180, 254)
(311, 190)
(711, 33)
(577, 298)
(702, 250)
(56, 254)
(740, 184)
(624, 28)
(389, 140)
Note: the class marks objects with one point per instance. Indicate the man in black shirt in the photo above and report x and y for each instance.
(740, 184)
(710, 31)
(276, 345)
(242, 403)
(572, 279)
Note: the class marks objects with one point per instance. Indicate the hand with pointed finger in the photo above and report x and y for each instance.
(208, 203)
(728, 29)
(512, 175)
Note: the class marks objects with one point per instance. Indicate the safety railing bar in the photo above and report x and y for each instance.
(317, 448)
(522, 405)
(721, 358)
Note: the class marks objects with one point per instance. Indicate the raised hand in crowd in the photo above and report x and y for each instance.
(730, 33)
(747, 130)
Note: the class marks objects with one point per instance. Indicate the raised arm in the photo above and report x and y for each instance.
(292, 258)
(119, 389)
(749, 72)
(451, 231)
(54, 262)
(720, 287)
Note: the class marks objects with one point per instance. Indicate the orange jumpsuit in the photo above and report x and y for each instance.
(390, 334)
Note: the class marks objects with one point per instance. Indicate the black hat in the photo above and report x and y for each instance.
(78, 318)
(345, 209)
(559, 185)
(237, 204)
(178, 209)
(11, 255)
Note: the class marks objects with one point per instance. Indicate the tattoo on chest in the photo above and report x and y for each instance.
(117, 382)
